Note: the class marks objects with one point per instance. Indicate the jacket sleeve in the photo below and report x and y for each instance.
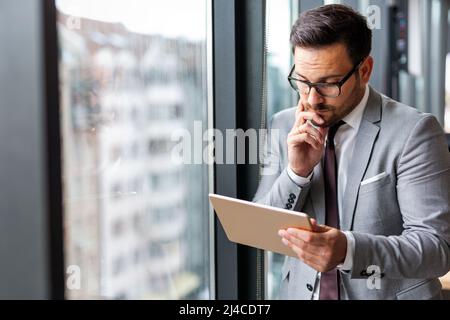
(423, 193)
(276, 188)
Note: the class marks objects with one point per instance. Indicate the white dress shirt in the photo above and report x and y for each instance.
(344, 145)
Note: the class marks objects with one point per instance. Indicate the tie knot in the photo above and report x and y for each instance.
(333, 130)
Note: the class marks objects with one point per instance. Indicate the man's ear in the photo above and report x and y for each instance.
(365, 71)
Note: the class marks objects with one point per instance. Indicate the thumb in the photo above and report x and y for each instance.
(319, 227)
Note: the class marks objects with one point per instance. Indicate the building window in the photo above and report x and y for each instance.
(118, 228)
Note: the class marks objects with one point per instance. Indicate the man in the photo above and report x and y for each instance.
(373, 173)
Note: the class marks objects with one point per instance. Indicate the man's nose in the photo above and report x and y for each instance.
(314, 98)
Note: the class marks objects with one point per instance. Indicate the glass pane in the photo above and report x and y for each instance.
(279, 56)
(133, 73)
(280, 17)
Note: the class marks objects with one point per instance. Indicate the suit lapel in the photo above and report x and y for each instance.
(365, 140)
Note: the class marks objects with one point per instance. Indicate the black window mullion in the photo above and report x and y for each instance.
(225, 105)
(53, 151)
(238, 89)
(30, 197)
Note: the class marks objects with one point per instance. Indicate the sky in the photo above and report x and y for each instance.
(170, 18)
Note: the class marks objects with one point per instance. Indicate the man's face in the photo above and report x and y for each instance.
(329, 64)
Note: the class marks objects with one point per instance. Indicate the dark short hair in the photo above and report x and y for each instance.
(331, 24)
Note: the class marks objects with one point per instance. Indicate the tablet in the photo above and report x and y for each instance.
(257, 225)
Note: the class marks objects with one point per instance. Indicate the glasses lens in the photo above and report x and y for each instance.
(331, 91)
(299, 86)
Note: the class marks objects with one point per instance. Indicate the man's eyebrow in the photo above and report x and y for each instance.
(323, 78)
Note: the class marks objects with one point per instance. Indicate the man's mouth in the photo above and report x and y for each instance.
(322, 110)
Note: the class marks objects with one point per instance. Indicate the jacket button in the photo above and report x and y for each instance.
(292, 196)
(309, 287)
(288, 206)
(291, 200)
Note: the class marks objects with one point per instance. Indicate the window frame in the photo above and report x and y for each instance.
(33, 171)
(237, 33)
(238, 92)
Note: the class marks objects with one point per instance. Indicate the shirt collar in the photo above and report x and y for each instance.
(353, 119)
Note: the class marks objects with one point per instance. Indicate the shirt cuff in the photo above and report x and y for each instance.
(348, 262)
(299, 181)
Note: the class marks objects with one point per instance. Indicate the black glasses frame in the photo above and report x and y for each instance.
(318, 85)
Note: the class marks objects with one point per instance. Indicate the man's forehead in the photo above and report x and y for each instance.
(335, 56)
(316, 64)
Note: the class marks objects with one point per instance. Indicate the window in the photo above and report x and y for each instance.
(280, 17)
(417, 70)
(132, 72)
(118, 228)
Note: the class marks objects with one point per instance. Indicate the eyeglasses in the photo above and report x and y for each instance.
(328, 90)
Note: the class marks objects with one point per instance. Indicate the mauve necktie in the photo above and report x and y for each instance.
(329, 281)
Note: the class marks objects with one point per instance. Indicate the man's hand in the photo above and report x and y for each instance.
(305, 142)
(323, 249)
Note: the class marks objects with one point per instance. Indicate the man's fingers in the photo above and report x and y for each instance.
(296, 235)
(313, 224)
(323, 131)
(304, 116)
(306, 236)
(316, 133)
(300, 109)
(307, 247)
(306, 257)
(304, 137)
(321, 228)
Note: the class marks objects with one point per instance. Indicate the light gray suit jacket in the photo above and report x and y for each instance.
(401, 222)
